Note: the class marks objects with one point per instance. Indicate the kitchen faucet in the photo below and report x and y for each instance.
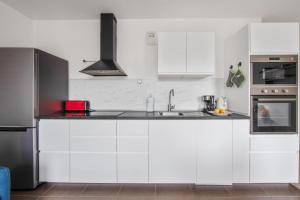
(170, 106)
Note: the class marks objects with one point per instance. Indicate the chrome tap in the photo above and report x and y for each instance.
(170, 106)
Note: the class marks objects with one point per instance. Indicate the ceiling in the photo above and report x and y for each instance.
(269, 10)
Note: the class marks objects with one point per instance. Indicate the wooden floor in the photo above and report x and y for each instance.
(158, 192)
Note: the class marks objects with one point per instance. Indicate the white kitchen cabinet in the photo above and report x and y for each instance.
(50, 131)
(200, 52)
(93, 150)
(172, 52)
(93, 167)
(274, 167)
(274, 38)
(54, 167)
(214, 152)
(132, 167)
(241, 149)
(54, 150)
(97, 128)
(186, 53)
(172, 151)
(132, 148)
(274, 158)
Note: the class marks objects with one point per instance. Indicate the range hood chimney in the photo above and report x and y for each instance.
(107, 66)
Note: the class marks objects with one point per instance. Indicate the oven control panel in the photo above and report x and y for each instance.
(274, 90)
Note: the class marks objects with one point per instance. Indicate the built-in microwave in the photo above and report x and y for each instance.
(274, 70)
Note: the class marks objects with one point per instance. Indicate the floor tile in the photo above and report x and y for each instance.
(210, 191)
(280, 190)
(251, 190)
(101, 190)
(24, 198)
(66, 190)
(174, 190)
(137, 190)
(40, 190)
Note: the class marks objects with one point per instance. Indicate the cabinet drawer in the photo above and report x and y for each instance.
(54, 166)
(274, 143)
(133, 128)
(93, 167)
(132, 168)
(93, 127)
(274, 167)
(54, 135)
(132, 144)
(93, 144)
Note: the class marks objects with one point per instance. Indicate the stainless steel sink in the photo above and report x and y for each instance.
(170, 114)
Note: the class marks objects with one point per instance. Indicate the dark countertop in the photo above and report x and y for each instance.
(141, 115)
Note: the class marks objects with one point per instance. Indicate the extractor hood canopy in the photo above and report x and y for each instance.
(107, 66)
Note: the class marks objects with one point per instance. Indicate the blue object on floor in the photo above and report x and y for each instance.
(4, 183)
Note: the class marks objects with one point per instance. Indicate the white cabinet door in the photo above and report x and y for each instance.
(93, 167)
(54, 167)
(241, 141)
(54, 135)
(274, 158)
(132, 147)
(200, 52)
(172, 151)
(276, 167)
(214, 141)
(97, 128)
(171, 52)
(274, 38)
(132, 168)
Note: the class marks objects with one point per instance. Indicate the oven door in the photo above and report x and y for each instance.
(274, 115)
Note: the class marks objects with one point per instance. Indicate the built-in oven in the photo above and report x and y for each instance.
(274, 70)
(274, 114)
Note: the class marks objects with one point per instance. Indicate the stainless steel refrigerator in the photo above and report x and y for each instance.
(32, 83)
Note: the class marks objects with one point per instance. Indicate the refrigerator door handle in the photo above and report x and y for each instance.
(13, 129)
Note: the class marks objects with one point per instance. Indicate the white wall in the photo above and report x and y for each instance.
(16, 29)
(80, 39)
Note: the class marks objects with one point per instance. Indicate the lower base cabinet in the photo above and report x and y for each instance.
(93, 167)
(274, 167)
(214, 152)
(54, 167)
(172, 151)
(133, 168)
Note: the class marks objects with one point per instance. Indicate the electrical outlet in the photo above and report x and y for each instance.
(151, 38)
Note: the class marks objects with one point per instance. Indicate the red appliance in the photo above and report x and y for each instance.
(77, 105)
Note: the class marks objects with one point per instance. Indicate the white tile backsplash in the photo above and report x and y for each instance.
(128, 94)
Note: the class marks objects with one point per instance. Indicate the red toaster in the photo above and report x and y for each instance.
(77, 105)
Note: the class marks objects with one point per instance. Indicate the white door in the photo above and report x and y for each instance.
(214, 141)
(54, 167)
(132, 146)
(93, 167)
(274, 38)
(241, 149)
(276, 167)
(54, 135)
(172, 151)
(201, 52)
(171, 52)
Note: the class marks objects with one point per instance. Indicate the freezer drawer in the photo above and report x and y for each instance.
(18, 152)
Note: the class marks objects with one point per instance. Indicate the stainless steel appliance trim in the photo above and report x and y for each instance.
(277, 99)
(274, 58)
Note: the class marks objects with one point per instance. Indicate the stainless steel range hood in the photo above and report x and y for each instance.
(108, 65)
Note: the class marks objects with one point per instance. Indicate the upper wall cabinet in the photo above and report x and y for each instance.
(186, 54)
(274, 38)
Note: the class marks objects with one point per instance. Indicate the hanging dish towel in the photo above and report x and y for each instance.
(229, 83)
(238, 78)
